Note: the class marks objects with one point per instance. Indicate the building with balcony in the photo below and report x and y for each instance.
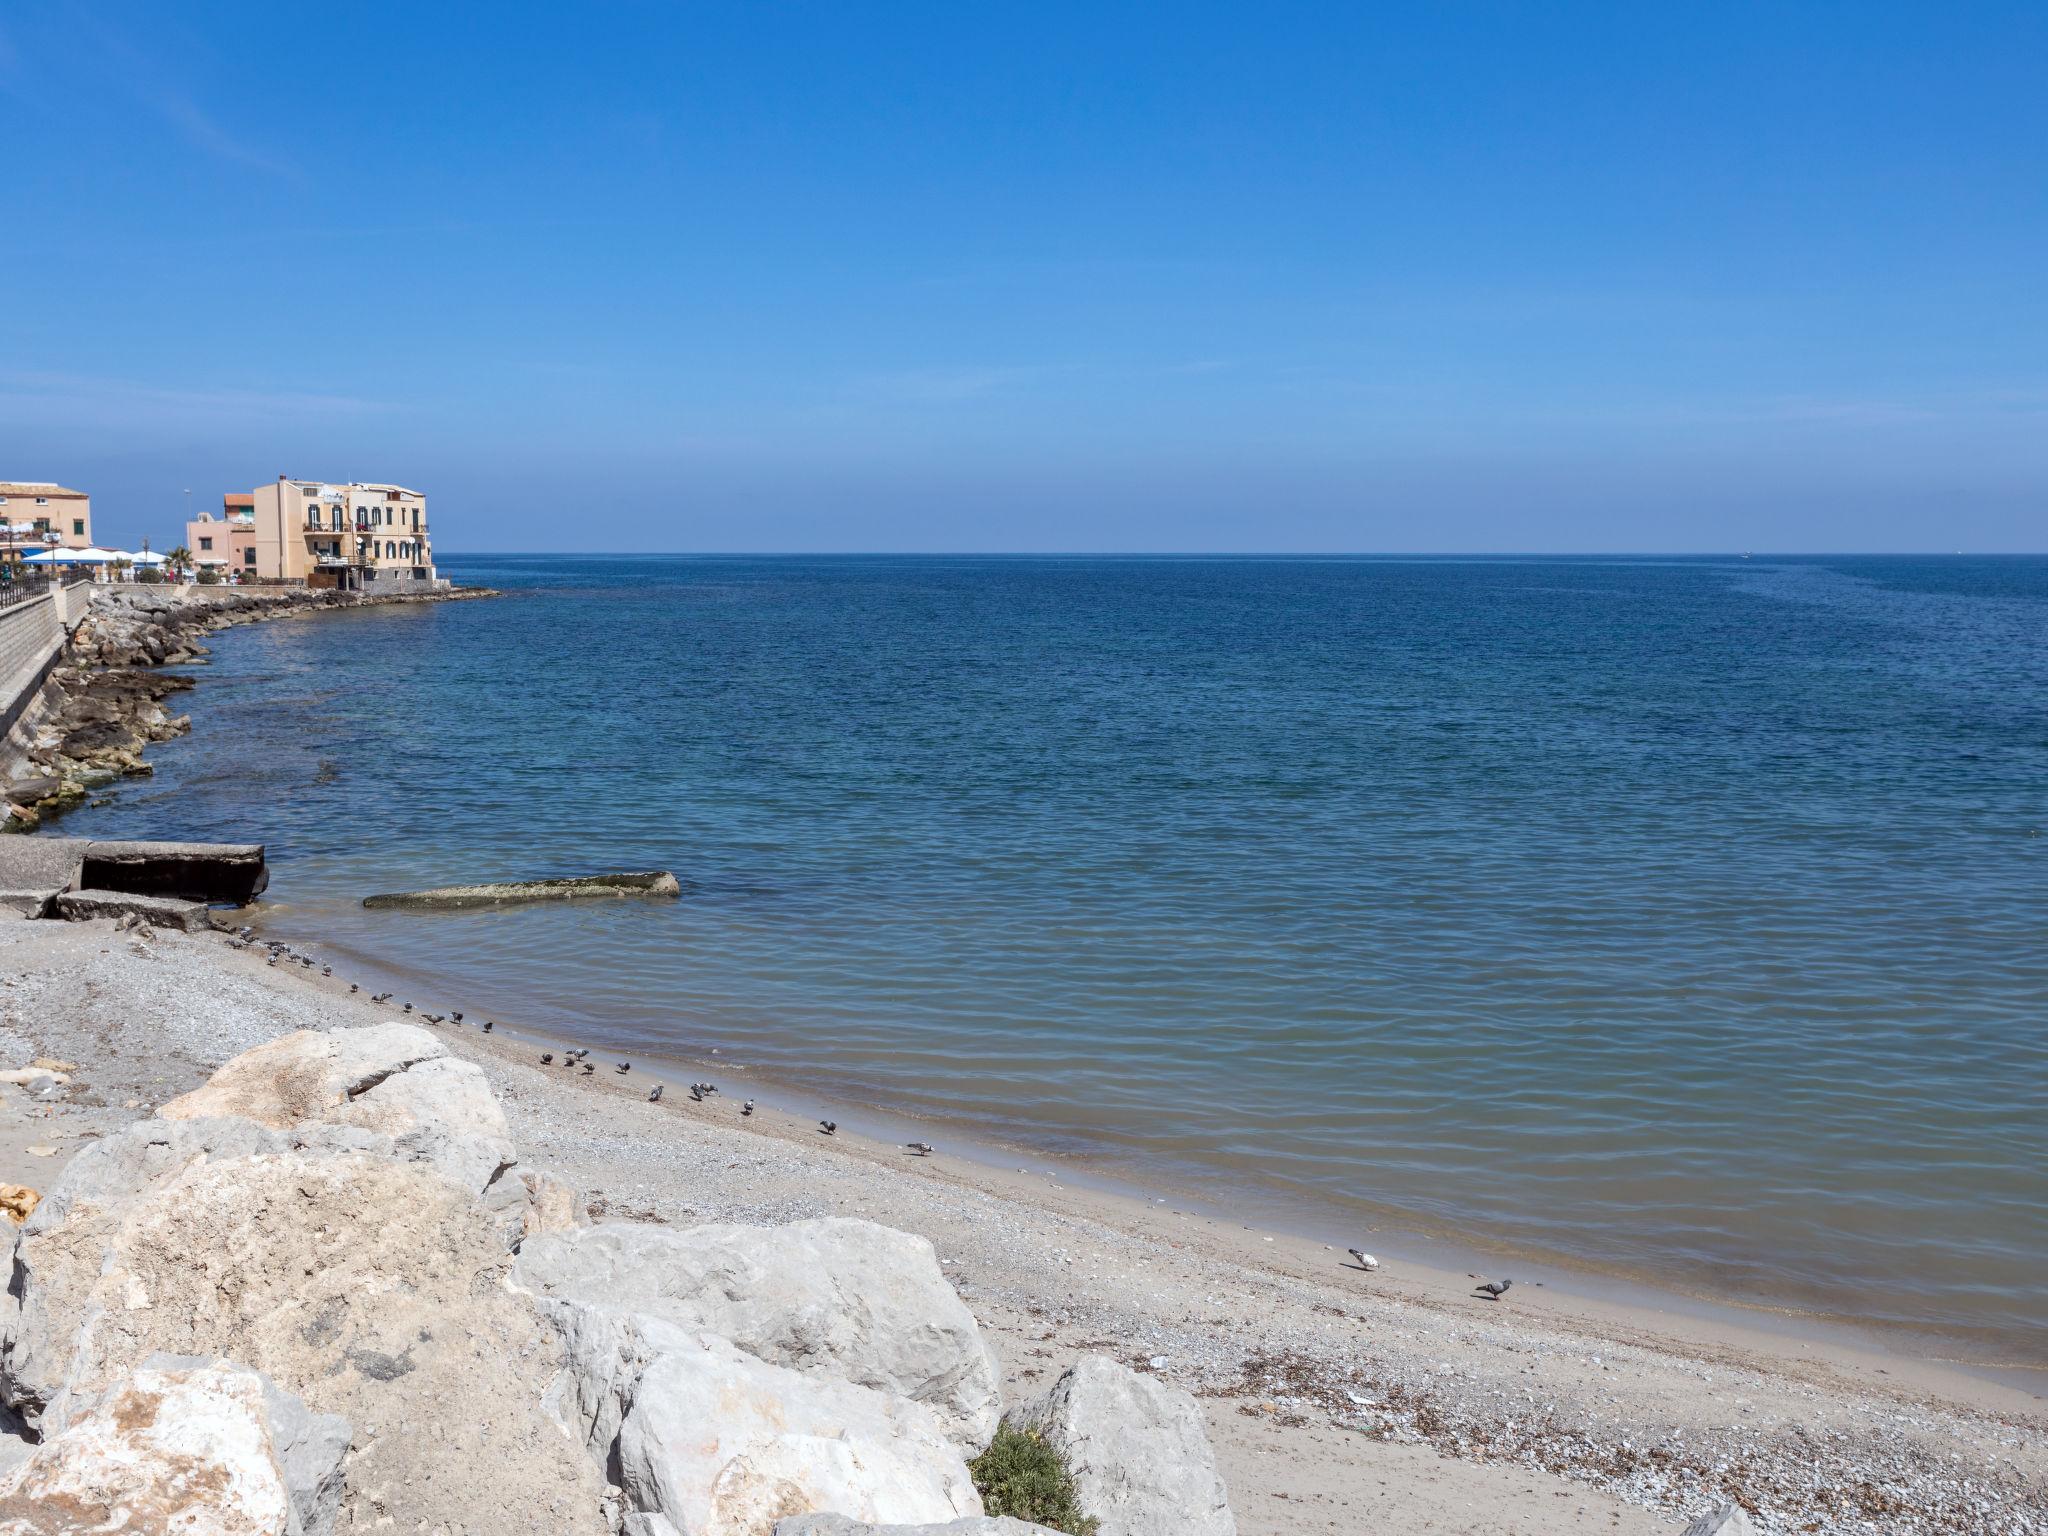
(36, 515)
(362, 536)
(227, 543)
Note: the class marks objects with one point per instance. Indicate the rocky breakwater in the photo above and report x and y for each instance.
(322, 1294)
(105, 702)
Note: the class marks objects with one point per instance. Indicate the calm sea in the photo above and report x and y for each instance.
(1688, 917)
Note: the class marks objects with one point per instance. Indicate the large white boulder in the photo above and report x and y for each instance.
(369, 1287)
(59, 1252)
(710, 1441)
(969, 1525)
(833, 1297)
(397, 1080)
(310, 1447)
(201, 1448)
(1724, 1519)
(720, 1443)
(306, 1075)
(1139, 1456)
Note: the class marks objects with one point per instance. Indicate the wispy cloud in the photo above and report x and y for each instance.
(943, 385)
(79, 49)
(202, 132)
(71, 402)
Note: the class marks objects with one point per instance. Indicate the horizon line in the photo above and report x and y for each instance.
(1258, 554)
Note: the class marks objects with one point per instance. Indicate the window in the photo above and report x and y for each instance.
(249, 556)
(390, 550)
(42, 501)
(78, 526)
(205, 542)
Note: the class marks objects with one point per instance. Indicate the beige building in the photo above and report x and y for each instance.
(225, 544)
(361, 537)
(37, 515)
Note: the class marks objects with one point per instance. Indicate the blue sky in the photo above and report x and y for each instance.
(823, 277)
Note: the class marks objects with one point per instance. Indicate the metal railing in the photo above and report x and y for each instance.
(24, 587)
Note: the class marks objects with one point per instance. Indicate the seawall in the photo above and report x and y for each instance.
(80, 679)
(33, 632)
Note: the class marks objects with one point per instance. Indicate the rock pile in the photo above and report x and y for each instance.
(105, 705)
(320, 1294)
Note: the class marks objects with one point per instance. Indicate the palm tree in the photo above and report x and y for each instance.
(120, 566)
(180, 561)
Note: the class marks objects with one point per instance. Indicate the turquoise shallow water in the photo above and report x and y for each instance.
(1688, 917)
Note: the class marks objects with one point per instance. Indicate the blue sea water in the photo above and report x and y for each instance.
(1688, 917)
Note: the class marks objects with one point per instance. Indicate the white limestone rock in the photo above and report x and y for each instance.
(525, 1202)
(833, 1297)
(59, 1252)
(198, 1447)
(370, 1287)
(310, 1447)
(1137, 1450)
(395, 1080)
(306, 1075)
(1725, 1520)
(720, 1443)
(970, 1525)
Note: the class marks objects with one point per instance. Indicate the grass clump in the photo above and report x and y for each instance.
(1021, 1476)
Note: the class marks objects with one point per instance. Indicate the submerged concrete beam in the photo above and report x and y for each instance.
(653, 882)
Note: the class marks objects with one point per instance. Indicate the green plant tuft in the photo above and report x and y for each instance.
(1021, 1476)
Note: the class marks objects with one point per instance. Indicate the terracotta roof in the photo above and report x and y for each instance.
(34, 488)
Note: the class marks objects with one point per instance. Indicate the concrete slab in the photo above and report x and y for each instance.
(189, 871)
(157, 911)
(45, 864)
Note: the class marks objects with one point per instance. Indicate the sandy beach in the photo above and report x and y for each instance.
(1336, 1399)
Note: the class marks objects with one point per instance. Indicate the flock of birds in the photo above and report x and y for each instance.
(579, 1057)
(572, 1060)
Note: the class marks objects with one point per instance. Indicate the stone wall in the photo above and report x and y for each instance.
(400, 580)
(31, 638)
